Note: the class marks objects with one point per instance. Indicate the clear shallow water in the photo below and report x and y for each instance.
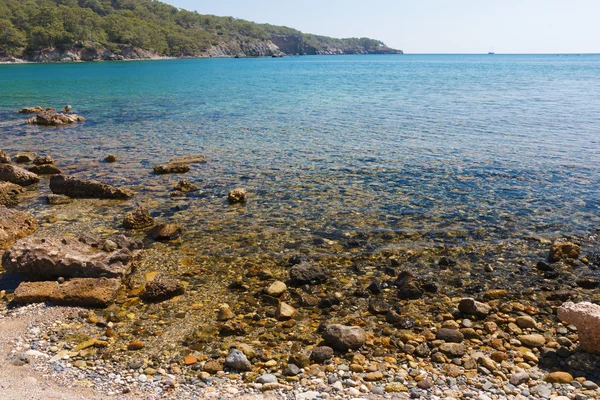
(366, 151)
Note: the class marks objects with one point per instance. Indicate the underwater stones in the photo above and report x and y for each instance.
(14, 225)
(171, 168)
(321, 354)
(162, 288)
(82, 292)
(237, 196)
(25, 157)
(237, 360)
(564, 251)
(17, 175)
(81, 188)
(586, 317)
(212, 366)
(276, 289)
(308, 273)
(9, 193)
(284, 311)
(471, 307)
(139, 218)
(449, 335)
(51, 258)
(45, 169)
(343, 337)
(165, 232)
(57, 199)
(185, 186)
(533, 340)
(111, 158)
(379, 307)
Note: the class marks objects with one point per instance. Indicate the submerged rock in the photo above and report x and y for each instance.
(57, 199)
(165, 232)
(139, 218)
(83, 292)
(51, 258)
(343, 337)
(586, 317)
(564, 251)
(52, 118)
(9, 193)
(14, 225)
(185, 186)
(17, 175)
(45, 169)
(191, 159)
(175, 168)
(237, 196)
(81, 188)
(162, 288)
(308, 272)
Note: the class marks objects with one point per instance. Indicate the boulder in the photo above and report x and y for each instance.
(25, 157)
(82, 292)
(51, 258)
(9, 193)
(308, 273)
(14, 225)
(80, 188)
(237, 196)
(343, 337)
(175, 168)
(139, 218)
(17, 175)
(52, 118)
(586, 317)
(45, 169)
(471, 307)
(165, 232)
(237, 360)
(162, 288)
(564, 251)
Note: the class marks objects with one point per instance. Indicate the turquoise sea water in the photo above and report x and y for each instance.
(365, 150)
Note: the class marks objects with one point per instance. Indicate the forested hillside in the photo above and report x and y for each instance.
(108, 28)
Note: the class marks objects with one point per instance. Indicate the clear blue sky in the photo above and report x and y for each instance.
(432, 26)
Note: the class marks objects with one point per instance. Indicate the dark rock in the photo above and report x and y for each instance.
(139, 218)
(80, 188)
(375, 288)
(309, 273)
(165, 232)
(471, 307)
(449, 335)
(43, 160)
(45, 169)
(544, 266)
(111, 158)
(561, 295)
(446, 262)
(17, 175)
(410, 291)
(185, 186)
(9, 193)
(237, 196)
(25, 157)
(237, 360)
(80, 292)
(175, 168)
(14, 225)
(377, 307)
(291, 370)
(295, 260)
(321, 354)
(343, 337)
(162, 288)
(393, 317)
(31, 110)
(587, 282)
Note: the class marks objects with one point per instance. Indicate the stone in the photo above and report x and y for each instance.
(174, 168)
(276, 289)
(43, 160)
(139, 218)
(25, 157)
(308, 272)
(17, 175)
(14, 225)
(558, 377)
(237, 360)
(471, 307)
(533, 340)
(291, 370)
(395, 387)
(31, 110)
(374, 376)
(587, 282)
(52, 118)
(586, 317)
(111, 158)
(564, 251)
(237, 196)
(45, 169)
(58, 199)
(321, 354)
(266, 378)
(80, 188)
(37, 258)
(225, 313)
(519, 378)
(449, 335)
(135, 345)
(212, 366)
(185, 186)
(4, 158)
(526, 322)
(165, 232)
(343, 337)
(162, 288)
(190, 360)
(190, 159)
(9, 193)
(284, 311)
(80, 292)
(453, 350)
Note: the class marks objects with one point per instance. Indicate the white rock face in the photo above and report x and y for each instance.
(586, 317)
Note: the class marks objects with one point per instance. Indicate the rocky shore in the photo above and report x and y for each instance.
(484, 321)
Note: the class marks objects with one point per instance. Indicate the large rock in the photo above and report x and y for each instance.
(14, 225)
(17, 175)
(308, 272)
(343, 337)
(51, 258)
(162, 288)
(52, 118)
(586, 317)
(139, 218)
(84, 292)
(80, 188)
(9, 193)
(564, 251)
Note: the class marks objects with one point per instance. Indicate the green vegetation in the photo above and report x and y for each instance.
(29, 25)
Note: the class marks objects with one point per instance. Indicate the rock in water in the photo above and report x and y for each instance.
(564, 251)
(285, 311)
(25, 157)
(57, 199)
(237, 360)
(80, 188)
(237, 196)
(111, 158)
(45, 169)
(67, 108)
(14, 225)
(162, 288)
(52, 118)
(139, 218)
(308, 272)
(31, 110)
(165, 232)
(4, 158)
(51, 258)
(471, 307)
(185, 186)
(82, 292)
(9, 193)
(586, 317)
(43, 160)
(192, 159)
(17, 175)
(175, 168)
(321, 354)
(343, 337)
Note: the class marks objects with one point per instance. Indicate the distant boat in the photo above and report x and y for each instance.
(491, 52)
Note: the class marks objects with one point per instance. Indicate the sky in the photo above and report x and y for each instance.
(431, 26)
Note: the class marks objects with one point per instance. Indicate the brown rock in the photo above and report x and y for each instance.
(534, 340)
(43, 160)
(81, 188)
(4, 158)
(9, 193)
(237, 196)
(111, 158)
(285, 311)
(25, 157)
(558, 377)
(82, 292)
(162, 288)
(564, 251)
(191, 159)
(165, 232)
(52, 118)
(185, 186)
(213, 366)
(135, 345)
(190, 360)
(175, 168)
(14, 225)
(453, 350)
(344, 337)
(276, 289)
(139, 218)
(17, 175)
(225, 313)
(45, 169)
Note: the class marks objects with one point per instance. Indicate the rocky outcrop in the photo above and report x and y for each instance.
(80, 188)
(586, 317)
(50, 258)
(9, 193)
(17, 175)
(31, 110)
(52, 118)
(82, 292)
(14, 225)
